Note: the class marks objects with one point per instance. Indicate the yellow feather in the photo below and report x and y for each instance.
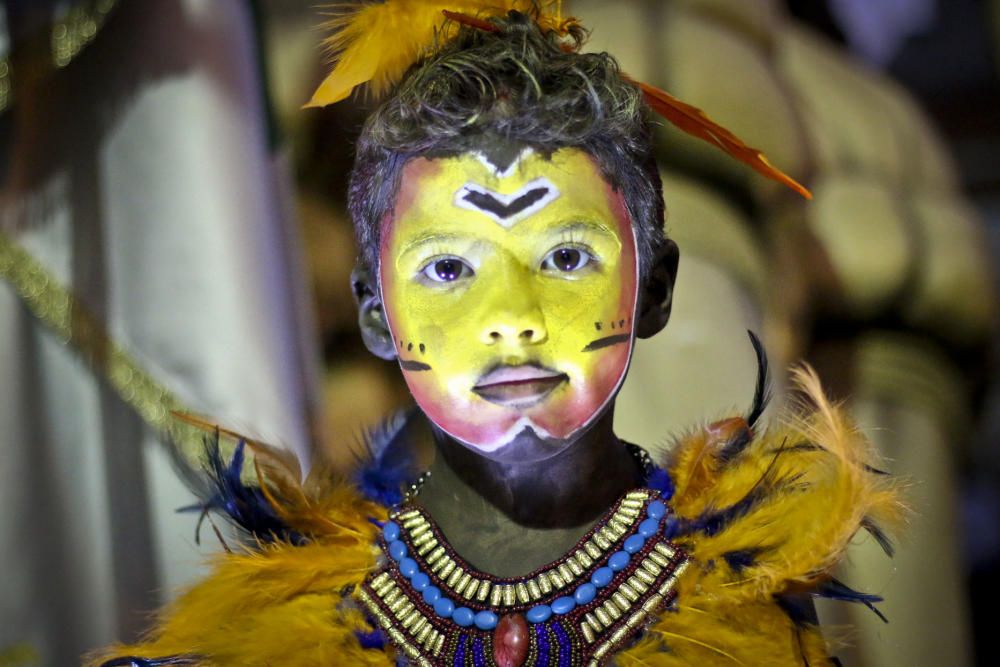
(825, 492)
(376, 43)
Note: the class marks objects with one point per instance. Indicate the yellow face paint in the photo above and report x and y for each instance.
(509, 294)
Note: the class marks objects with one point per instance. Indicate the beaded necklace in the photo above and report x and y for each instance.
(577, 610)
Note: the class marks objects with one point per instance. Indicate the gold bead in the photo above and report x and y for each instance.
(435, 555)
(649, 566)
(667, 551)
(533, 589)
(509, 598)
(574, 566)
(592, 550)
(459, 580)
(588, 633)
(484, 590)
(427, 546)
(522, 593)
(646, 577)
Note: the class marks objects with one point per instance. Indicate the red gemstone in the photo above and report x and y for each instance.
(510, 641)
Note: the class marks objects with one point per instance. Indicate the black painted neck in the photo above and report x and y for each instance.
(570, 488)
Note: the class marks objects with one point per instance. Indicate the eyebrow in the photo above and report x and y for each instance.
(585, 226)
(425, 239)
(573, 226)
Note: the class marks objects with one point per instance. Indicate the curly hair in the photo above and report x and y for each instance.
(515, 88)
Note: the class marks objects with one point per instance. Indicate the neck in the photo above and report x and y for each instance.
(569, 489)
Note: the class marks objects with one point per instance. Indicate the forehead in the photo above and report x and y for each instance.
(468, 193)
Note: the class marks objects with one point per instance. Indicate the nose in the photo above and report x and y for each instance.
(513, 316)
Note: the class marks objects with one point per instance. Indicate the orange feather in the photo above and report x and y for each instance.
(696, 122)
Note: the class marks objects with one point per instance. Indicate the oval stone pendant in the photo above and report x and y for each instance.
(510, 641)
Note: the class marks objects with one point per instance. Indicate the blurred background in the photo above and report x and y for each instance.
(173, 237)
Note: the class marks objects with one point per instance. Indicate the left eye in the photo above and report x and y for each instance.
(567, 259)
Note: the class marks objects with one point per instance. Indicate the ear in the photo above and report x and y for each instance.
(657, 294)
(371, 317)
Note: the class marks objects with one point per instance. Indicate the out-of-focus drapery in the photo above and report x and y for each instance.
(147, 261)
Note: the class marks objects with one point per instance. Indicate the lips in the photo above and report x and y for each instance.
(518, 386)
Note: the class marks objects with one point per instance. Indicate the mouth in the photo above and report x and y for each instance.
(518, 386)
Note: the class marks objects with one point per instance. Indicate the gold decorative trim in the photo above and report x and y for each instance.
(72, 323)
(454, 577)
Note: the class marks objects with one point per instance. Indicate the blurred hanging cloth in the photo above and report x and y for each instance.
(148, 263)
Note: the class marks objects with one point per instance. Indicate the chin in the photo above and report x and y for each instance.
(525, 446)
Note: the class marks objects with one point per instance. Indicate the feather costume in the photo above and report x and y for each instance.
(763, 519)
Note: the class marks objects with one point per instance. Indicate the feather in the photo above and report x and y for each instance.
(696, 122)
(803, 488)
(838, 590)
(375, 43)
(386, 465)
(659, 480)
(762, 392)
(243, 505)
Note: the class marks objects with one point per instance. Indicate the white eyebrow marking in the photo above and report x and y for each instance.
(509, 170)
(507, 210)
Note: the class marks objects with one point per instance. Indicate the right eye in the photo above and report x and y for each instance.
(446, 270)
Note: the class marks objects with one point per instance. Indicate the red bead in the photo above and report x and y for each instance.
(510, 641)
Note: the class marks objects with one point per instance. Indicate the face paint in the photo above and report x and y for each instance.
(510, 294)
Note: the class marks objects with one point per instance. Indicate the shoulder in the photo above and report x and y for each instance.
(289, 583)
(765, 518)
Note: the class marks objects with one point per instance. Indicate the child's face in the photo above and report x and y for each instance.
(510, 296)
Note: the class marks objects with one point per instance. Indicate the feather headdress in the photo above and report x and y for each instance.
(375, 43)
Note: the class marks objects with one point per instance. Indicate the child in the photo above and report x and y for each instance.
(510, 219)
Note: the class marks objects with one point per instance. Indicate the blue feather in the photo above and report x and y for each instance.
(741, 559)
(371, 640)
(244, 506)
(837, 590)
(386, 466)
(659, 479)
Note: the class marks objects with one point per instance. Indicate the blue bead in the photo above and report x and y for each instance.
(444, 607)
(563, 605)
(634, 543)
(463, 616)
(420, 581)
(657, 509)
(619, 561)
(390, 532)
(539, 614)
(602, 577)
(432, 594)
(486, 620)
(408, 567)
(397, 550)
(585, 593)
(649, 527)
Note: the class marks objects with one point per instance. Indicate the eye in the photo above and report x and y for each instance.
(446, 270)
(567, 259)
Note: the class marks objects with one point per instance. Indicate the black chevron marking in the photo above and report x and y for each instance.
(487, 202)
